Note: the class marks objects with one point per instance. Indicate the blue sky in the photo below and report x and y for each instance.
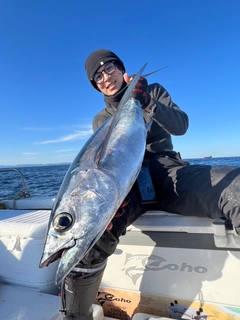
(47, 103)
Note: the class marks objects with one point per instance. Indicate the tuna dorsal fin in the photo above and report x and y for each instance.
(116, 116)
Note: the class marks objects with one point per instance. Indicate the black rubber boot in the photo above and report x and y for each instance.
(79, 290)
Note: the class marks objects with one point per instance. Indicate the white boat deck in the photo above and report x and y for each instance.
(163, 258)
(22, 303)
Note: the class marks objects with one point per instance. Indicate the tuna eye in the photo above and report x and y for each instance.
(62, 222)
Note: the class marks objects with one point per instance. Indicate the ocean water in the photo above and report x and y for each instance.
(227, 161)
(46, 180)
(39, 180)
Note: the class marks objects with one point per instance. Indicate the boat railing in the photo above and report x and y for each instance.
(24, 192)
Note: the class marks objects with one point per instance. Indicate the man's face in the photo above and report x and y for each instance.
(111, 83)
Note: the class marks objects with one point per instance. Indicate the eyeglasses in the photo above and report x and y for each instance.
(110, 68)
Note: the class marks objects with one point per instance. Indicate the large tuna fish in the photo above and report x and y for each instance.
(95, 186)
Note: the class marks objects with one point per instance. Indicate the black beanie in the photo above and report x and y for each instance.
(97, 59)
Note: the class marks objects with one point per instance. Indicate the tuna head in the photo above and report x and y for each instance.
(81, 212)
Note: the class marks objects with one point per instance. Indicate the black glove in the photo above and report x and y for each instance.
(141, 92)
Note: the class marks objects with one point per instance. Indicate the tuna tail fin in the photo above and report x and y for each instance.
(150, 73)
(116, 116)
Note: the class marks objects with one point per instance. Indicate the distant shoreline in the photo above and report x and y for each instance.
(35, 165)
(68, 163)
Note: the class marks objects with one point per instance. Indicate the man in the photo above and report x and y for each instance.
(180, 188)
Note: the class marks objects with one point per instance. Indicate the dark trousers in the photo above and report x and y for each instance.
(196, 190)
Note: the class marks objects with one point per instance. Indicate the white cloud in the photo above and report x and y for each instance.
(78, 135)
(87, 125)
(65, 150)
(29, 153)
(39, 129)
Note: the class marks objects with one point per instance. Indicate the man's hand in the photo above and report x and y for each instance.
(141, 90)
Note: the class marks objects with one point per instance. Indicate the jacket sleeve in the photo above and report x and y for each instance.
(167, 114)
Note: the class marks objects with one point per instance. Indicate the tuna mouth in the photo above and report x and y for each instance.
(51, 259)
